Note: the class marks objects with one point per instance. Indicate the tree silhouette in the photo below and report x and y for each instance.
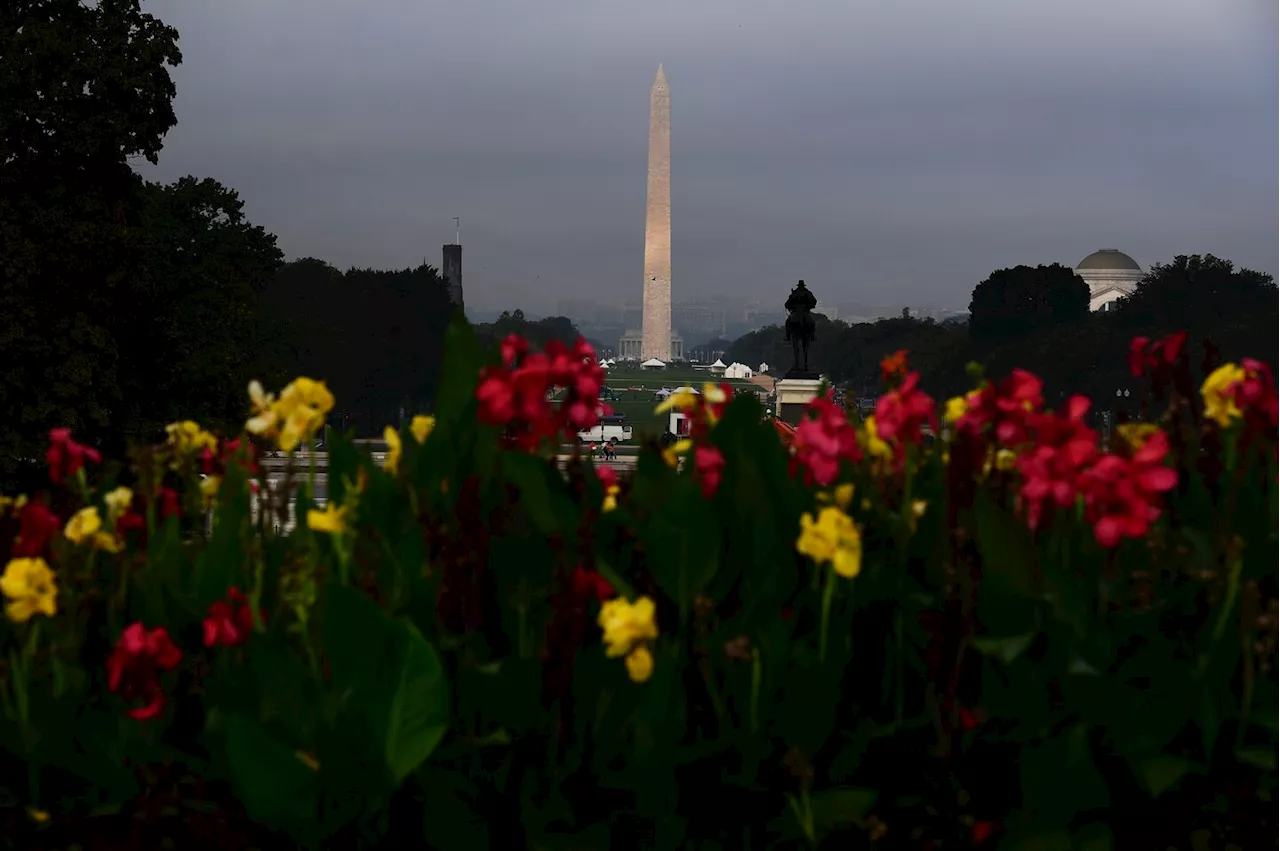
(1016, 301)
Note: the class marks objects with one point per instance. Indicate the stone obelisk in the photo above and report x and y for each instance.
(655, 333)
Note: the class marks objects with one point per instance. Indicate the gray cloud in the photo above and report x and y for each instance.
(884, 151)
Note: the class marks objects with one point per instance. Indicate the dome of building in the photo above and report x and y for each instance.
(1109, 258)
(1111, 275)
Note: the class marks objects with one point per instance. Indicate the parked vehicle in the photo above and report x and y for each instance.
(614, 426)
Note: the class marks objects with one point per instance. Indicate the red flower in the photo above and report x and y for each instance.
(1010, 407)
(903, 412)
(133, 669)
(894, 364)
(170, 505)
(37, 527)
(65, 456)
(607, 476)
(1157, 357)
(588, 583)
(982, 831)
(229, 622)
(823, 439)
(1256, 396)
(517, 395)
(969, 719)
(1052, 469)
(708, 467)
(1123, 496)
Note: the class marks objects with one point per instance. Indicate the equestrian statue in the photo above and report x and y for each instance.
(801, 328)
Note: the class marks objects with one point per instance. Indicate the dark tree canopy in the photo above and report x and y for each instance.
(1016, 301)
(1198, 291)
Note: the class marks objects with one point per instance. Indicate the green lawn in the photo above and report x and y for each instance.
(635, 395)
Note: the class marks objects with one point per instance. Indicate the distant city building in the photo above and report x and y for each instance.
(1111, 274)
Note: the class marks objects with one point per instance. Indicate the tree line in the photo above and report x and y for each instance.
(1038, 318)
(127, 304)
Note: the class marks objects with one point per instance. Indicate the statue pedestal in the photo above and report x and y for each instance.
(794, 396)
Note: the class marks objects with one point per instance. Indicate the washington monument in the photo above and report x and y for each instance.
(655, 330)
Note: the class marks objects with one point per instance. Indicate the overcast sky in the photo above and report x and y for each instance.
(887, 151)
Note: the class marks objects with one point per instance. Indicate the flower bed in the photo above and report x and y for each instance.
(853, 635)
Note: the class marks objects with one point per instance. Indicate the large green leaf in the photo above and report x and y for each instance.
(416, 713)
(274, 784)
(388, 674)
(1008, 555)
(529, 474)
(463, 358)
(355, 633)
(843, 805)
(684, 544)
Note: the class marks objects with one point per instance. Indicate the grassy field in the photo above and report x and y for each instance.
(635, 390)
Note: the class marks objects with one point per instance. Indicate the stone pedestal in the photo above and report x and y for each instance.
(794, 395)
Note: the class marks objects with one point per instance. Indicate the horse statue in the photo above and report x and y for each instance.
(800, 327)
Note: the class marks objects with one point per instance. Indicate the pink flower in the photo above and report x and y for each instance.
(708, 467)
(66, 457)
(229, 622)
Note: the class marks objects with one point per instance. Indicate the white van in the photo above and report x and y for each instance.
(609, 428)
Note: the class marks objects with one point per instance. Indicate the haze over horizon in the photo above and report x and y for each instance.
(886, 153)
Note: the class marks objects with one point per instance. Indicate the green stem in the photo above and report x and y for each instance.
(899, 686)
(755, 689)
(828, 594)
(1228, 605)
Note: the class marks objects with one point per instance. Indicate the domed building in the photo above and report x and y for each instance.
(1110, 274)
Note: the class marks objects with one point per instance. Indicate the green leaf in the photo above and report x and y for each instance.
(529, 474)
(684, 544)
(1060, 779)
(1262, 758)
(355, 632)
(1008, 554)
(1007, 649)
(1161, 772)
(417, 713)
(272, 782)
(463, 358)
(388, 674)
(842, 805)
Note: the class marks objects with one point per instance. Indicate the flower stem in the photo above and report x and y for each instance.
(828, 594)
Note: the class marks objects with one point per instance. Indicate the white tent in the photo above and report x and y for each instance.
(604, 364)
(653, 363)
(738, 370)
(764, 367)
(718, 367)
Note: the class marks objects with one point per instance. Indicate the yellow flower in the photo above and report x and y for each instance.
(1006, 459)
(627, 626)
(264, 418)
(681, 400)
(875, 445)
(610, 498)
(639, 664)
(308, 760)
(31, 588)
(37, 815)
(1219, 400)
(842, 495)
(333, 520)
(833, 538)
(392, 438)
(957, 407)
(83, 525)
(117, 502)
(108, 542)
(209, 489)
(421, 426)
(673, 452)
(1136, 434)
(12, 502)
(187, 439)
(296, 416)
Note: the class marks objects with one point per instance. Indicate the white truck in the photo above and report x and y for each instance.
(609, 428)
